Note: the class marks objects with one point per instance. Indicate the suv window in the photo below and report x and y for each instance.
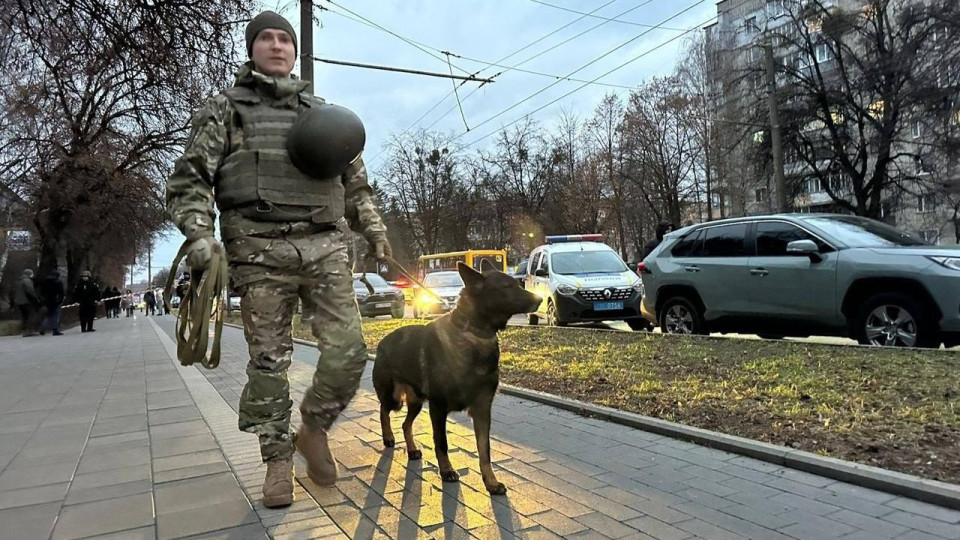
(688, 246)
(534, 263)
(725, 241)
(773, 237)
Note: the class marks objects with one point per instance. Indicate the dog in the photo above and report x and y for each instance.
(454, 363)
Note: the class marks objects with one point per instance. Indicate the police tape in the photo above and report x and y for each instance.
(100, 301)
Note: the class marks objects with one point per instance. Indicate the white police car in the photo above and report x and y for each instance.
(581, 279)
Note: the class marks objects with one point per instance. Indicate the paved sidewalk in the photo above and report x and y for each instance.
(104, 435)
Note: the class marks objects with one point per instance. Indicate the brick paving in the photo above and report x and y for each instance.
(104, 435)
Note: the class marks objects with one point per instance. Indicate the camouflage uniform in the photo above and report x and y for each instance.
(275, 264)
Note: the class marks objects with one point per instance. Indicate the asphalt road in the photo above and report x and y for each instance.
(521, 320)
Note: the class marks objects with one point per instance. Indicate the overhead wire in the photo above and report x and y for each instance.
(595, 60)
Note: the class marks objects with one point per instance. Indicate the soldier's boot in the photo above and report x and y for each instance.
(321, 467)
(278, 486)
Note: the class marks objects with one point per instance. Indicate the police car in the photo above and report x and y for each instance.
(581, 279)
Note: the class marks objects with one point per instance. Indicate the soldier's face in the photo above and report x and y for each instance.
(274, 53)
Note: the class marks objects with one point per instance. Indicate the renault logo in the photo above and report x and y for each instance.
(608, 293)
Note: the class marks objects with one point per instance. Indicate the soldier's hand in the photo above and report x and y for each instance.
(380, 247)
(200, 252)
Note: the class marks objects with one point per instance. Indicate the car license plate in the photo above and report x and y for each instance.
(383, 305)
(607, 306)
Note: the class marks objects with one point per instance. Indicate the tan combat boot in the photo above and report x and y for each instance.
(321, 468)
(278, 486)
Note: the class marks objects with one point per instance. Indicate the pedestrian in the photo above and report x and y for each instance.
(115, 302)
(127, 303)
(52, 294)
(279, 225)
(87, 294)
(662, 229)
(28, 301)
(150, 302)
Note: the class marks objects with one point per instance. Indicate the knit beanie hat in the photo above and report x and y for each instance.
(268, 19)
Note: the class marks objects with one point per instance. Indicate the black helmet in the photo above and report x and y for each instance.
(324, 140)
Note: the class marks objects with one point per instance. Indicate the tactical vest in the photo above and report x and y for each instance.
(260, 181)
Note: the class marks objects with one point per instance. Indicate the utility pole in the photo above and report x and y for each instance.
(775, 143)
(149, 266)
(306, 42)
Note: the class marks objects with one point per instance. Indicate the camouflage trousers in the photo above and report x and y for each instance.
(273, 274)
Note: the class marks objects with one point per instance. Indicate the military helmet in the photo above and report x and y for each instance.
(324, 140)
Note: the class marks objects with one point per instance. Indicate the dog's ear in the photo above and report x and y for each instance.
(485, 265)
(471, 278)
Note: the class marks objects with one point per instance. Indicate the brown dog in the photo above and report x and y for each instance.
(454, 363)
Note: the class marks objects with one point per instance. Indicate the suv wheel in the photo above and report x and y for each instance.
(680, 316)
(552, 319)
(532, 319)
(894, 320)
(397, 312)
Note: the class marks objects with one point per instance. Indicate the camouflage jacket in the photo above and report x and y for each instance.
(215, 133)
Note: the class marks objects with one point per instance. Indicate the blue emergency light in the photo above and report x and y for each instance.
(559, 238)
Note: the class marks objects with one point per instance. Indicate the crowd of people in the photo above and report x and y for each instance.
(41, 302)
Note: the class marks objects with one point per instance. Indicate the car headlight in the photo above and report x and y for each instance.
(567, 290)
(952, 263)
(638, 286)
(428, 299)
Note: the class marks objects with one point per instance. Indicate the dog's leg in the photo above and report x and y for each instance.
(388, 440)
(480, 411)
(413, 409)
(438, 417)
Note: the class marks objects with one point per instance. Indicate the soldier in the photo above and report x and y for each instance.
(279, 224)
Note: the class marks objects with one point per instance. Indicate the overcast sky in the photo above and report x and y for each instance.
(484, 30)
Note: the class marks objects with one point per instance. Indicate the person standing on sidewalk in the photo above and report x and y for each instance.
(150, 303)
(127, 304)
(86, 293)
(27, 301)
(52, 293)
(279, 224)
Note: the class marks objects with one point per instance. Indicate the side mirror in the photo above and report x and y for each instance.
(805, 248)
(542, 272)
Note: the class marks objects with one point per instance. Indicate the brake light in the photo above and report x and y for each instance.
(641, 267)
(402, 282)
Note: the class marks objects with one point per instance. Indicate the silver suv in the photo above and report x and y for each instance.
(802, 275)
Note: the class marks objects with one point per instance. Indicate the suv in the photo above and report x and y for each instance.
(805, 274)
(582, 279)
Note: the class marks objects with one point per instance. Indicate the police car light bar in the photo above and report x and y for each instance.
(556, 239)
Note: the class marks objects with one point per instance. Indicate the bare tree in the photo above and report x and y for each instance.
(661, 148)
(861, 85)
(99, 108)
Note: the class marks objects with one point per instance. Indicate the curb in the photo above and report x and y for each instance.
(914, 487)
(930, 491)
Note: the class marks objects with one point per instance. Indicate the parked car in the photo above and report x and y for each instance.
(519, 272)
(446, 285)
(802, 275)
(385, 299)
(175, 301)
(581, 279)
(234, 301)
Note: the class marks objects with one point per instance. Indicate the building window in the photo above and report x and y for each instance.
(838, 184)
(925, 203)
(814, 185)
(750, 25)
(917, 129)
(822, 52)
(931, 236)
(775, 9)
(762, 195)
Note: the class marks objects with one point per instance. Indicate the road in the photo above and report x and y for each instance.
(521, 320)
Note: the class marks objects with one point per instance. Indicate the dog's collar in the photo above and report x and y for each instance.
(464, 323)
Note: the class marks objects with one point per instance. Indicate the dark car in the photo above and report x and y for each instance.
(385, 299)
